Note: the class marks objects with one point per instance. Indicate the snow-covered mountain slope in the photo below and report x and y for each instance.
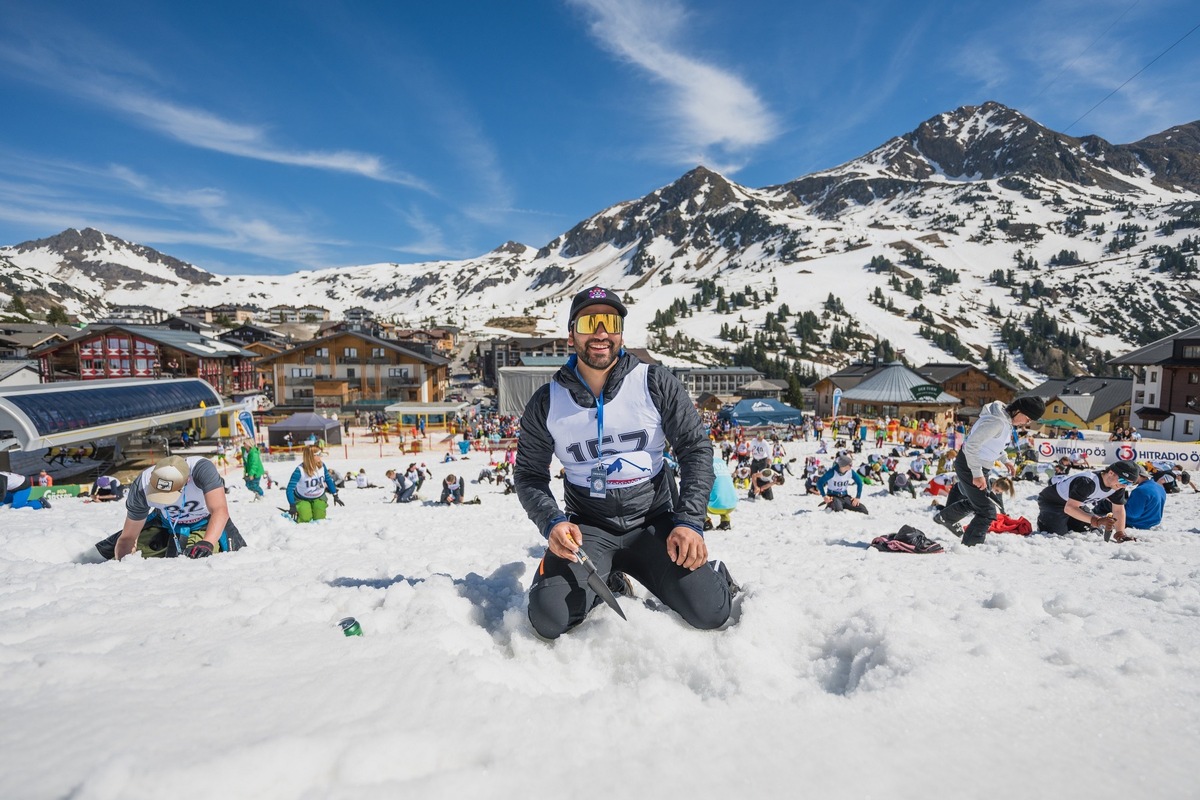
(980, 236)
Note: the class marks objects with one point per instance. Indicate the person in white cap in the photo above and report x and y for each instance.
(177, 507)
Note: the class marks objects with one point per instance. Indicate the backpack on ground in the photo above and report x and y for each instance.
(907, 540)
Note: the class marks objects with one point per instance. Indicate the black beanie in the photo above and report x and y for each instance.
(1030, 405)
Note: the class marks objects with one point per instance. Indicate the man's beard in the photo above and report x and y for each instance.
(597, 361)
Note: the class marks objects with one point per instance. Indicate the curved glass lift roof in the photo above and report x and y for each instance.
(56, 414)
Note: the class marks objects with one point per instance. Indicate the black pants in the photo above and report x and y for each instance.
(841, 502)
(974, 500)
(1054, 519)
(157, 541)
(560, 598)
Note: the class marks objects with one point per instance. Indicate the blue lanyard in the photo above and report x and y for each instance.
(599, 415)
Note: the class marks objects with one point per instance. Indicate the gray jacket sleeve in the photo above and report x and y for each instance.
(136, 507)
(531, 474)
(690, 444)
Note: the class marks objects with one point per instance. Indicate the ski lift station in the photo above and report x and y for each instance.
(40, 417)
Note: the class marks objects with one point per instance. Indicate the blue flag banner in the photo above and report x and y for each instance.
(245, 421)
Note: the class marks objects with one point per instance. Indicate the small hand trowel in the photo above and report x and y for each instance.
(597, 583)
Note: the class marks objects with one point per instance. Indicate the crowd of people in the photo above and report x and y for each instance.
(644, 475)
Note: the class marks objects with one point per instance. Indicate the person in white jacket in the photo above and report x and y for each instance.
(985, 444)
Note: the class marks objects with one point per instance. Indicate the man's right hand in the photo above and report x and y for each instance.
(565, 538)
(124, 547)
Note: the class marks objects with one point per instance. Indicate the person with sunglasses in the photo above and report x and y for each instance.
(1144, 507)
(608, 417)
(1066, 504)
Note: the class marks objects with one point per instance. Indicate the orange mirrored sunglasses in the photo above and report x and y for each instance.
(588, 323)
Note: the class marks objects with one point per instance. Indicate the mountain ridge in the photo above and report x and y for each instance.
(911, 236)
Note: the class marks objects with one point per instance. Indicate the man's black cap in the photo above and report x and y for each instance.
(596, 295)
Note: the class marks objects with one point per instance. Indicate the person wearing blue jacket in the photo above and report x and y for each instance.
(308, 486)
(834, 487)
(1144, 506)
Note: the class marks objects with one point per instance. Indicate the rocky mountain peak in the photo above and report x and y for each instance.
(96, 255)
(67, 242)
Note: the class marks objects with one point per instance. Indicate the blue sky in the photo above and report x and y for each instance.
(272, 136)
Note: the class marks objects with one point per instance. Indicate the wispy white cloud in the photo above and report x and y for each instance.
(50, 195)
(711, 112)
(1063, 56)
(431, 239)
(130, 95)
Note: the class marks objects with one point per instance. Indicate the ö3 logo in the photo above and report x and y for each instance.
(1046, 449)
(1126, 453)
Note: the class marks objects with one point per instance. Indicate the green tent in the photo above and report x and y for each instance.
(1060, 423)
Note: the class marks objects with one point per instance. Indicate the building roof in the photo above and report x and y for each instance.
(762, 385)
(252, 326)
(30, 340)
(437, 361)
(297, 331)
(940, 373)
(8, 328)
(643, 355)
(543, 361)
(188, 341)
(425, 408)
(718, 371)
(893, 385)
(1089, 398)
(850, 376)
(1158, 351)
(8, 367)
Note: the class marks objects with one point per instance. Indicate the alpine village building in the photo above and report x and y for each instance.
(351, 368)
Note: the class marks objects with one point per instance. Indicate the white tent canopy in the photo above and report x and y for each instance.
(515, 385)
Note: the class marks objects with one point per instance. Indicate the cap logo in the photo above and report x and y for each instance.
(597, 293)
(163, 485)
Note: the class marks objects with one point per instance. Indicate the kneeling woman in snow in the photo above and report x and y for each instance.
(835, 485)
(306, 490)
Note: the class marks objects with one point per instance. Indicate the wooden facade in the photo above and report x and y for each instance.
(145, 352)
(352, 368)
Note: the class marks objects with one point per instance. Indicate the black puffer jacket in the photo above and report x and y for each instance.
(621, 509)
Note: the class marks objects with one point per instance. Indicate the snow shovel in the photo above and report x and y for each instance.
(597, 584)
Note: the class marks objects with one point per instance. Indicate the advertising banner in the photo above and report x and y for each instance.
(1109, 452)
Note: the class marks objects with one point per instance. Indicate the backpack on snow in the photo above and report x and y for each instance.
(907, 540)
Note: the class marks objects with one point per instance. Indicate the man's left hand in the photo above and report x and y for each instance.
(687, 548)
